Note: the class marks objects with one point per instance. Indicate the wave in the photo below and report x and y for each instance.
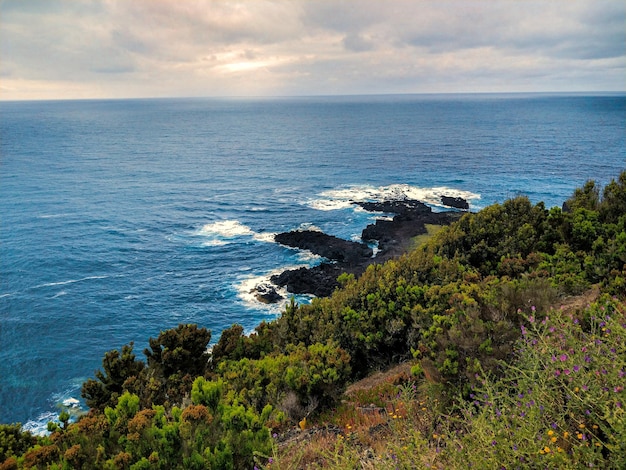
(225, 231)
(342, 198)
(69, 281)
(246, 291)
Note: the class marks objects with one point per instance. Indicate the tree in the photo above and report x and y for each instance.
(181, 350)
(119, 372)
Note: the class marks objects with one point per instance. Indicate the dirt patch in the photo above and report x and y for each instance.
(396, 375)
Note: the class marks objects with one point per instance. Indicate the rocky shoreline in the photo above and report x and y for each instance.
(393, 238)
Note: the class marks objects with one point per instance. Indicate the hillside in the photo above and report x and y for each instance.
(502, 337)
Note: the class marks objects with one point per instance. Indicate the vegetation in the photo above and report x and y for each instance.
(500, 376)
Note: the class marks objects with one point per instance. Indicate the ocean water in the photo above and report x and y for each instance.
(119, 219)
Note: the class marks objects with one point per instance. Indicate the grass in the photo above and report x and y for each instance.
(431, 230)
(560, 403)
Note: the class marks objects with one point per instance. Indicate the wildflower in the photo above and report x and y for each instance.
(576, 389)
(557, 372)
(551, 432)
(565, 435)
(546, 449)
(553, 439)
(563, 357)
(576, 368)
(581, 425)
(494, 442)
(618, 389)
(567, 371)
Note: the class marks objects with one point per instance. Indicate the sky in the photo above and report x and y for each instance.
(79, 49)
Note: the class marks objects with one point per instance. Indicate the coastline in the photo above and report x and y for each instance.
(390, 237)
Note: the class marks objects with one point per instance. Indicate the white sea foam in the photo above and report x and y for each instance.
(342, 198)
(225, 231)
(39, 426)
(225, 228)
(69, 281)
(309, 226)
(246, 291)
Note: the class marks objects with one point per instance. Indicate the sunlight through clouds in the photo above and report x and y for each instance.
(115, 48)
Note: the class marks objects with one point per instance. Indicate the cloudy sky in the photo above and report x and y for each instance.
(57, 49)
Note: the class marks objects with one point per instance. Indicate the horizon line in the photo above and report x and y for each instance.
(350, 95)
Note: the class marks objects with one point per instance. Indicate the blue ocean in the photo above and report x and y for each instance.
(122, 218)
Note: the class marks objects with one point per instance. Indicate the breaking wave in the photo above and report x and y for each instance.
(342, 198)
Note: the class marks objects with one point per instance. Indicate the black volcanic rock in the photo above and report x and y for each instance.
(266, 293)
(319, 280)
(407, 207)
(328, 246)
(393, 237)
(456, 202)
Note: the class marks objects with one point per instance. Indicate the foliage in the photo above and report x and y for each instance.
(120, 371)
(464, 306)
(559, 405)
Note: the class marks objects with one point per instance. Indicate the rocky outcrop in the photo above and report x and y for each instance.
(320, 280)
(328, 246)
(392, 236)
(267, 294)
(456, 202)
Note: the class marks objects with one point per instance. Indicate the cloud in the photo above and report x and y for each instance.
(118, 48)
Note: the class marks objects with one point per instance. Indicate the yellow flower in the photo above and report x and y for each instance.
(576, 389)
(565, 435)
(553, 439)
(546, 449)
(558, 449)
(550, 432)
(579, 435)
(435, 436)
(595, 426)
(581, 425)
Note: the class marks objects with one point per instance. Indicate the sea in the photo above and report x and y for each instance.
(123, 218)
